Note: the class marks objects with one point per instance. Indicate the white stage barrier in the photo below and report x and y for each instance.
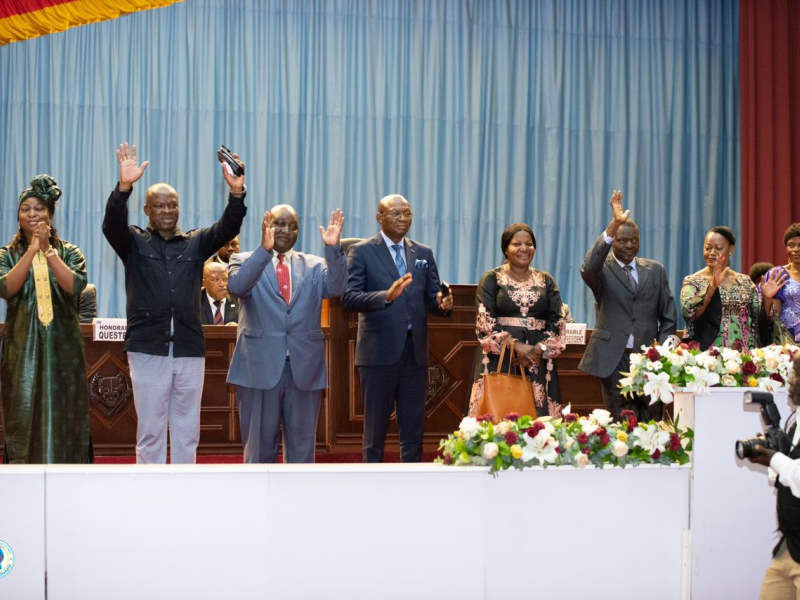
(733, 503)
(343, 531)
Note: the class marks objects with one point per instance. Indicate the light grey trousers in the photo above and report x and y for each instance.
(166, 393)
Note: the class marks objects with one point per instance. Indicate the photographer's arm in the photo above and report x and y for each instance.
(788, 469)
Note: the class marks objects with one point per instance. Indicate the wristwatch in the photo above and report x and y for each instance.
(50, 252)
(543, 348)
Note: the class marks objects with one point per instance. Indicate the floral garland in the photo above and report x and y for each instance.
(659, 369)
(520, 441)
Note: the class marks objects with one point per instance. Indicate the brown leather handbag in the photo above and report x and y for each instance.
(505, 393)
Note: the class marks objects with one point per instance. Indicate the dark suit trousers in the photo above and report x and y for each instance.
(615, 402)
(403, 382)
(263, 413)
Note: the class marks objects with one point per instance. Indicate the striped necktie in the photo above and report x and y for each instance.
(218, 319)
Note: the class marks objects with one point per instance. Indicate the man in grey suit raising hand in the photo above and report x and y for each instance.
(635, 307)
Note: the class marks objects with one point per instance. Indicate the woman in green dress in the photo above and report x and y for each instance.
(43, 370)
(720, 306)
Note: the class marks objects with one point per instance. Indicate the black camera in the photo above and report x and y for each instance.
(225, 156)
(773, 438)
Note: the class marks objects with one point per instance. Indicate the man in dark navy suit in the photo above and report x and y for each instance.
(393, 284)
(216, 306)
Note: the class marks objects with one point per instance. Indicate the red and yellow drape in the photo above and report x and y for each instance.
(26, 19)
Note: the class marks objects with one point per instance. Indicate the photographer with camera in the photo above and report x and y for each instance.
(782, 579)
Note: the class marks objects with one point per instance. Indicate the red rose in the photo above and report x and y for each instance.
(652, 354)
(558, 449)
(586, 450)
(738, 345)
(713, 351)
(776, 377)
(604, 439)
(674, 442)
(512, 416)
(748, 367)
(448, 459)
(656, 455)
(632, 422)
(511, 437)
(537, 426)
(486, 418)
(570, 418)
(583, 438)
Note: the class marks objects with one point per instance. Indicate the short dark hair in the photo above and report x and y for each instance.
(725, 232)
(513, 230)
(793, 231)
(758, 270)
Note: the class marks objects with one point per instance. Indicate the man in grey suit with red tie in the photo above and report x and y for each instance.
(393, 283)
(278, 366)
(635, 307)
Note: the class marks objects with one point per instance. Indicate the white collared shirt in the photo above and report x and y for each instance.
(287, 260)
(221, 306)
(788, 469)
(390, 243)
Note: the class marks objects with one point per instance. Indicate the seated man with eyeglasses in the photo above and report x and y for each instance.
(216, 306)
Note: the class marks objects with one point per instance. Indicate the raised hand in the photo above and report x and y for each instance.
(267, 232)
(235, 183)
(130, 171)
(331, 236)
(771, 286)
(398, 287)
(620, 216)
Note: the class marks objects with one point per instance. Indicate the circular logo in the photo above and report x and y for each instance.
(6, 559)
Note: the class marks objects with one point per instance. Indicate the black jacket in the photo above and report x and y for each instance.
(163, 277)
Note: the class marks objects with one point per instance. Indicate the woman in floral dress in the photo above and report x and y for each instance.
(720, 306)
(524, 303)
(781, 290)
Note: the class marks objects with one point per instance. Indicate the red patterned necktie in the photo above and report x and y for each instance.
(218, 314)
(283, 278)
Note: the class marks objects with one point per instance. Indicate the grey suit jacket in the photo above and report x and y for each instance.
(268, 327)
(649, 313)
(383, 326)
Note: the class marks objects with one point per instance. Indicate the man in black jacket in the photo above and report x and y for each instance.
(782, 579)
(164, 338)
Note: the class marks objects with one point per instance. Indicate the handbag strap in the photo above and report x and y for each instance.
(507, 343)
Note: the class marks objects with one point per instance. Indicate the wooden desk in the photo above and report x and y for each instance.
(452, 348)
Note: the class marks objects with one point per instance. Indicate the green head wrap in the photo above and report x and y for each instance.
(45, 188)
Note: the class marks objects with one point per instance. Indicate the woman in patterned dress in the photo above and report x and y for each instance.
(517, 300)
(781, 290)
(720, 306)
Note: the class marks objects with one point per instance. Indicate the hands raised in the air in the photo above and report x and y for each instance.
(771, 286)
(235, 183)
(619, 216)
(267, 232)
(130, 171)
(333, 233)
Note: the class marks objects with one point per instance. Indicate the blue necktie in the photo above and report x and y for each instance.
(399, 259)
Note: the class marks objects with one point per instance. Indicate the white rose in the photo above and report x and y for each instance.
(468, 428)
(601, 416)
(502, 428)
(730, 354)
(731, 366)
(490, 450)
(568, 443)
(677, 360)
(728, 381)
(582, 460)
(772, 363)
(636, 360)
(619, 449)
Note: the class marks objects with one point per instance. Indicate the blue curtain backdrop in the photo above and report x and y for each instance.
(481, 113)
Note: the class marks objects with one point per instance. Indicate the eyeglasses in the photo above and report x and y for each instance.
(396, 214)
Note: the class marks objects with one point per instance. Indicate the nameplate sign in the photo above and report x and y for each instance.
(109, 330)
(576, 333)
